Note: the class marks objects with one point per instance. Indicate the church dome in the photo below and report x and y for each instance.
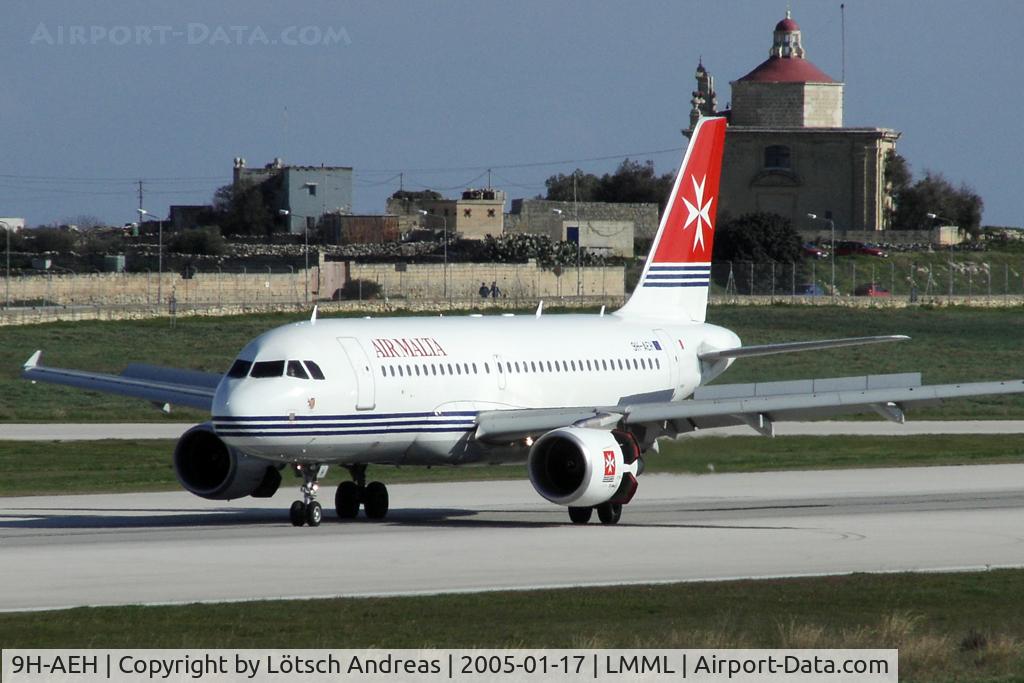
(786, 62)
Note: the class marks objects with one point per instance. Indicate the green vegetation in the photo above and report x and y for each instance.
(949, 345)
(120, 466)
(947, 627)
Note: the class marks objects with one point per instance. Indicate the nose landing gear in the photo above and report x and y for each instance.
(308, 510)
(373, 497)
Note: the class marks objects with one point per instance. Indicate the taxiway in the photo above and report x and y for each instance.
(63, 551)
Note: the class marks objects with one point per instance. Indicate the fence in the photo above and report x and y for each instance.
(962, 280)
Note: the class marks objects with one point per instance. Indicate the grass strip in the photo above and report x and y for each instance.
(121, 466)
(947, 627)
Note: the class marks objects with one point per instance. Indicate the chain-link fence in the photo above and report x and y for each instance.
(959, 279)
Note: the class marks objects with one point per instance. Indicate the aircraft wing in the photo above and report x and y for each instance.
(153, 383)
(756, 405)
(791, 347)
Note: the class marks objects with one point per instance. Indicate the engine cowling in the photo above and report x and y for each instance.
(578, 466)
(209, 468)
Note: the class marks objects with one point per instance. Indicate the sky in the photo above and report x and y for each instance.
(98, 95)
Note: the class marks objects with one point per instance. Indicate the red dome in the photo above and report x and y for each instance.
(787, 24)
(787, 70)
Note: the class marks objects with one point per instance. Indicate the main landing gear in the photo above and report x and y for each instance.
(608, 513)
(307, 510)
(373, 497)
(351, 494)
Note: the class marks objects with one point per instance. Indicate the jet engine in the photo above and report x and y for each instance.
(581, 467)
(207, 467)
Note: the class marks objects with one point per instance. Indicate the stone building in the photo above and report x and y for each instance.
(305, 192)
(599, 227)
(787, 151)
(475, 215)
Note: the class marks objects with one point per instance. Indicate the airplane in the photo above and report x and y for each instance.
(582, 399)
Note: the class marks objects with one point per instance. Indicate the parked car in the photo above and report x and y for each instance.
(813, 251)
(810, 289)
(871, 290)
(859, 248)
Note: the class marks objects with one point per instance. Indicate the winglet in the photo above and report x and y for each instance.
(540, 308)
(33, 360)
(312, 318)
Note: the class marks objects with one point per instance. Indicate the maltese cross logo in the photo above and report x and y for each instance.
(698, 213)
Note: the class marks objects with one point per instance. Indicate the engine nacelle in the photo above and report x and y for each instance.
(578, 466)
(207, 467)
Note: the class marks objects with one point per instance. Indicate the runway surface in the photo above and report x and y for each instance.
(62, 551)
(173, 430)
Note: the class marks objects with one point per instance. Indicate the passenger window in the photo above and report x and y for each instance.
(573, 365)
(588, 366)
(441, 365)
(391, 369)
(474, 368)
(533, 366)
(604, 364)
(487, 368)
(295, 370)
(417, 370)
(620, 364)
(433, 369)
(450, 371)
(400, 373)
(636, 366)
(657, 363)
(458, 369)
(240, 368)
(517, 366)
(267, 368)
(314, 369)
(383, 371)
(465, 366)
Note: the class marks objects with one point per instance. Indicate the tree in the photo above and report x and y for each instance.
(932, 194)
(243, 209)
(560, 187)
(632, 182)
(757, 238)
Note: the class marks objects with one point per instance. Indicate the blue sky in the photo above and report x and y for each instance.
(99, 94)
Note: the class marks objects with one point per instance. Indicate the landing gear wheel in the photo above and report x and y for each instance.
(314, 514)
(346, 500)
(297, 513)
(580, 515)
(375, 500)
(609, 513)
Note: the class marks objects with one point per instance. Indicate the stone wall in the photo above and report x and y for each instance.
(255, 288)
(515, 281)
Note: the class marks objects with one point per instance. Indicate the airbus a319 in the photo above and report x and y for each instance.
(582, 399)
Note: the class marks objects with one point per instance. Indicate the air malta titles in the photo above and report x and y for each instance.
(415, 347)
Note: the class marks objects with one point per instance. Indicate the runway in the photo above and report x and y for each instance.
(63, 551)
(174, 430)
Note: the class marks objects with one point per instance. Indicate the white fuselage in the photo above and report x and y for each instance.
(407, 390)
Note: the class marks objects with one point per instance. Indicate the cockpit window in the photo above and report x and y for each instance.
(314, 369)
(267, 368)
(295, 369)
(240, 368)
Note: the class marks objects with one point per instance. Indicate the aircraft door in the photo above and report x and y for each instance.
(671, 357)
(360, 362)
(502, 381)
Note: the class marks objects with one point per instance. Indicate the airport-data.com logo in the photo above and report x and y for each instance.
(215, 35)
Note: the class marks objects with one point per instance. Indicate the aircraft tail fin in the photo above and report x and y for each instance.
(674, 283)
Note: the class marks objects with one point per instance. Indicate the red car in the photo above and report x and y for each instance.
(855, 248)
(871, 290)
(812, 251)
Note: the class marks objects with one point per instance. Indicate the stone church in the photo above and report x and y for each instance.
(787, 151)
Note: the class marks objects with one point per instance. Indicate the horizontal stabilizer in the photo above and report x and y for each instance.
(792, 347)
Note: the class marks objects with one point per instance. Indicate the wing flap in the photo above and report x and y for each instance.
(149, 382)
